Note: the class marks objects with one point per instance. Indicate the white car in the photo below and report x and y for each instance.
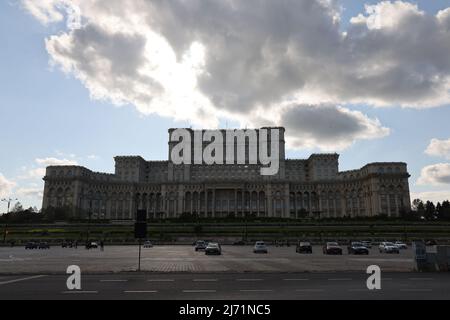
(148, 244)
(401, 245)
(260, 247)
(388, 247)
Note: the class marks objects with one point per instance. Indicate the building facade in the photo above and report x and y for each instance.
(312, 187)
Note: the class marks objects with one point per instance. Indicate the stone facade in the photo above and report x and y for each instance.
(311, 187)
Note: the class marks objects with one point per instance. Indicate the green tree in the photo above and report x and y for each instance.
(430, 210)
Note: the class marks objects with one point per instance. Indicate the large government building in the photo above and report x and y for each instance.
(312, 187)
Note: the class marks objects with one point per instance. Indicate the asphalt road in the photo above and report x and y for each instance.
(228, 286)
(184, 259)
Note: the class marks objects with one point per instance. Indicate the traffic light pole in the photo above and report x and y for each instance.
(139, 262)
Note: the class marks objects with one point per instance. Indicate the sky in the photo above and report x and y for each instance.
(82, 81)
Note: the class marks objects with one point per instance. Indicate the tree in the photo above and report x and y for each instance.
(430, 210)
(445, 210)
(17, 208)
(416, 204)
(439, 210)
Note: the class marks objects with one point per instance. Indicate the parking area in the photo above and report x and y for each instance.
(183, 258)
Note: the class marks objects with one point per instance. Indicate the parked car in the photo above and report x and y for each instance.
(357, 248)
(43, 245)
(332, 248)
(260, 247)
(388, 247)
(91, 245)
(200, 245)
(367, 244)
(31, 245)
(303, 247)
(430, 242)
(68, 244)
(148, 244)
(213, 248)
(401, 245)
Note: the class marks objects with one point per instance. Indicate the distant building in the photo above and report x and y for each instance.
(311, 187)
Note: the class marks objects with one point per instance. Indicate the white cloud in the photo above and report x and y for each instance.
(5, 186)
(439, 148)
(433, 196)
(50, 161)
(197, 61)
(30, 192)
(38, 171)
(436, 174)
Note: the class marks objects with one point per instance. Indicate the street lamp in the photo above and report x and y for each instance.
(9, 200)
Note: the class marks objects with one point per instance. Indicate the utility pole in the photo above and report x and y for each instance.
(5, 231)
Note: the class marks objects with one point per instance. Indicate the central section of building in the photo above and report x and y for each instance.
(312, 187)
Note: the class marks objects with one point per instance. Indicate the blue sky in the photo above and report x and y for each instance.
(48, 114)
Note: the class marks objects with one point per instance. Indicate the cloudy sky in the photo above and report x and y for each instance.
(84, 80)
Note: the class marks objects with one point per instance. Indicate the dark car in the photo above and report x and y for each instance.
(430, 242)
(31, 245)
(67, 244)
(43, 245)
(213, 248)
(357, 248)
(200, 245)
(332, 248)
(91, 245)
(303, 247)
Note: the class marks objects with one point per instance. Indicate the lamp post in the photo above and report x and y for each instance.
(5, 231)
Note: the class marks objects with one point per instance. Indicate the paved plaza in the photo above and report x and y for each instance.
(183, 258)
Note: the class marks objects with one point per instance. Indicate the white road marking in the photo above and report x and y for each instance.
(256, 290)
(79, 292)
(204, 280)
(249, 279)
(295, 279)
(360, 290)
(21, 279)
(141, 291)
(416, 290)
(160, 280)
(199, 291)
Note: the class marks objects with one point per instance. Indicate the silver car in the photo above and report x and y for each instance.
(260, 247)
(388, 247)
(401, 245)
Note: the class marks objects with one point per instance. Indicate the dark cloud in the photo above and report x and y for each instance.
(201, 60)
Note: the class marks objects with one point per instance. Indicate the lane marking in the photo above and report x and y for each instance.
(21, 279)
(79, 292)
(204, 280)
(160, 280)
(256, 290)
(295, 279)
(140, 291)
(199, 291)
(113, 280)
(249, 279)
(416, 290)
(310, 290)
(360, 290)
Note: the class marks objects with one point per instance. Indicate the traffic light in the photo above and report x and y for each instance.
(140, 227)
